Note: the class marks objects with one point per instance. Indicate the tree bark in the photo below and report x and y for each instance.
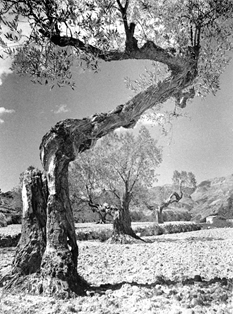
(122, 230)
(59, 262)
(46, 256)
(159, 215)
(101, 210)
(31, 246)
(173, 198)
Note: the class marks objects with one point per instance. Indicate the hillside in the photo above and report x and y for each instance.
(10, 207)
(213, 197)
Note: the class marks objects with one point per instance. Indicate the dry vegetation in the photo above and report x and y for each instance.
(182, 273)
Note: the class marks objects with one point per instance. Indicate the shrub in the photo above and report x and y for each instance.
(177, 215)
(88, 235)
(137, 216)
(143, 231)
(155, 229)
(222, 224)
(174, 227)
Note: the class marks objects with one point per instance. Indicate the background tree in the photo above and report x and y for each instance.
(121, 164)
(188, 180)
(86, 189)
(191, 38)
(184, 184)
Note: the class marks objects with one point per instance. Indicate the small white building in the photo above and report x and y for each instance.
(214, 218)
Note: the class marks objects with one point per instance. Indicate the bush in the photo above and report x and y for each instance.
(138, 216)
(156, 229)
(178, 215)
(222, 224)
(88, 235)
(143, 231)
(174, 227)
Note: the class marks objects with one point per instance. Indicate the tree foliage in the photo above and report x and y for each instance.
(184, 184)
(64, 33)
(121, 164)
(185, 180)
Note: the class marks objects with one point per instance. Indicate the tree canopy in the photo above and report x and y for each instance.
(47, 38)
(185, 179)
(122, 164)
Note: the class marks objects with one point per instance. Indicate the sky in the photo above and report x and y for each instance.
(201, 143)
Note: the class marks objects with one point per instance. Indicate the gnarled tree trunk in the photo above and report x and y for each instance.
(173, 198)
(46, 257)
(158, 212)
(31, 247)
(59, 262)
(102, 210)
(122, 230)
(57, 273)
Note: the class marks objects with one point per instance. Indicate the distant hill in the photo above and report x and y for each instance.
(213, 197)
(10, 207)
(175, 211)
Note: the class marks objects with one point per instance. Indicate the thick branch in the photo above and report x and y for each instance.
(171, 200)
(149, 51)
(92, 205)
(114, 192)
(72, 136)
(101, 210)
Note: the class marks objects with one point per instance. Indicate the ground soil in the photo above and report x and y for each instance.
(184, 273)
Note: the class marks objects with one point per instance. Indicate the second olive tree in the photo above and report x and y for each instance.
(121, 165)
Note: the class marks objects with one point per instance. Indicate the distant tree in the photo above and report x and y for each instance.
(103, 210)
(85, 188)
(175, 197)
(181, 180)
(191, 39)
(188, 180)
(184, 183)
(121, 164)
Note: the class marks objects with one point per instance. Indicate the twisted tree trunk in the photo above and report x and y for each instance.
(57, 271)
(31, 247)
(102, 210)
(122, 230)
(173, 198)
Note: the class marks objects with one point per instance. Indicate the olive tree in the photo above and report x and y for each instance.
(191, 38)
(121, 165)
(187, 179)
(185, 182)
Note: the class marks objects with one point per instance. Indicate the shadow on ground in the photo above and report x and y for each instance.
(190, 239)
(167, 282)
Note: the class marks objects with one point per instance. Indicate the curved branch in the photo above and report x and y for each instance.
(91, 204)
(149, 51)
(171, 200)
(71, 136)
